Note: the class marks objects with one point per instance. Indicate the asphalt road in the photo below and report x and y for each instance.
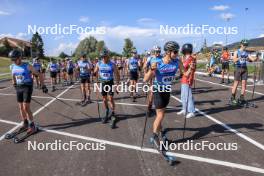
(62, 120)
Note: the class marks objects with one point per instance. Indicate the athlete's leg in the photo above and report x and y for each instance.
(244, 86)
(23, 114)
(158, 120)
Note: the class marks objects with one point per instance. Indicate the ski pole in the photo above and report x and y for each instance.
(97, 101)
(49, 109)
(254, 82)
(145, 123)
(59, 100)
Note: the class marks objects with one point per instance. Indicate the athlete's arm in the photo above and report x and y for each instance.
(96, 69)
(235, 59)
(30, 67)
(116, 73)
(151, 73)
(145, 66)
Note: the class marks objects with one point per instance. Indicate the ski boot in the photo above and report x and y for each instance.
(233, 101)
(53, 89)
(113, 120)
(105, 118)
(21, 130)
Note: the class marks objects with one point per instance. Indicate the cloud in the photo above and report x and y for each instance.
(64, 47)
(220, 7)
(142, 37)
(218, 42)
(4, 13)
(59, 37)
(226, 16)
(20, 35)
(84, 19)
(148, 22)
(261, 35)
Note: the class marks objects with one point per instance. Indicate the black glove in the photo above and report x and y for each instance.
(15, 85)
(44, 89)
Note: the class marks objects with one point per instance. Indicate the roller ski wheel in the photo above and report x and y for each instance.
(29, 133)
(14, 134)
(154, 140)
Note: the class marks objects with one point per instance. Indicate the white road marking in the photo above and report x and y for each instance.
(259, 93)
(78, 100)
(151, 150)
(34, 96)
(6, 88)
(252, 141)
(36, 112)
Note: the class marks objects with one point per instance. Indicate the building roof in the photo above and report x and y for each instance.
(13, 42)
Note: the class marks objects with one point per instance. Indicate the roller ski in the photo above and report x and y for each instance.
(33, 129)
(156, 143)
(14, 134)
(243, 103)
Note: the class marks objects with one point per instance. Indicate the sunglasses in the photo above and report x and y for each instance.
(175, 52)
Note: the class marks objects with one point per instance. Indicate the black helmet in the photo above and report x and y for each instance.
(171, 46)
(134, 51)
(104, 52)
(244, 42)
(14, 54)
(187, 48)
(83, 54)
(157, 48)
(225, 48)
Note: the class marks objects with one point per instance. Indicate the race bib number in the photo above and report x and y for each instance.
(168, 79)
(83, 70)
(19, 79)
(133, 67)
(105, 75)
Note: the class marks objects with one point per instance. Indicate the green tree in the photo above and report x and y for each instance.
(37, 46)
(63, 55)
(128, 46)
(99, 46)
(204, 48)
(5, 48)
(93, 55)
(87, 45)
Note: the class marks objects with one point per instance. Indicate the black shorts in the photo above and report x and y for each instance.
(85, 79)
(133, 75)
(107, 88)
(24, 93)
(161, 99)
(225, 66)
(70, 71)
(53, 74)
(43, 71)
(241, 73)
(64, 70)
(120, 68)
